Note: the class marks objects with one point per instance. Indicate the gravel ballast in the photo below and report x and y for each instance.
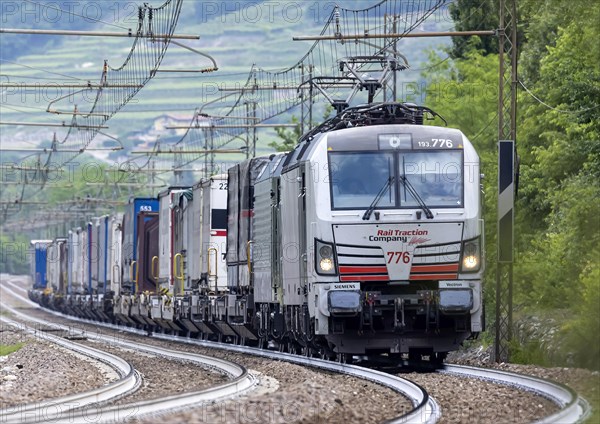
(162, 376)
(467, 400)
(41, 370)
(302, 395)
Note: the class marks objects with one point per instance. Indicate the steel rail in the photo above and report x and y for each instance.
(50, 410)
(240, 381)
(573, 408)
(425, 408)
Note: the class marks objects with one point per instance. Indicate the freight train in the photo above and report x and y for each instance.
(365, 240)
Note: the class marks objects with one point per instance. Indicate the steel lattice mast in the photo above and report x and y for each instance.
(507, 135)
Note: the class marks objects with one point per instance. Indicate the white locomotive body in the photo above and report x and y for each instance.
(367, 240)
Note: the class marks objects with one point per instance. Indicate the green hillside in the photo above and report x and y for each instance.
(233, 34)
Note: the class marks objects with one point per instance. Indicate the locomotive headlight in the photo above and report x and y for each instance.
(471, 256)
(326, 264)
(324, 258)
(470, 262)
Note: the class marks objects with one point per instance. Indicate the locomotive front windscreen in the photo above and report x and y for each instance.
(357, 178)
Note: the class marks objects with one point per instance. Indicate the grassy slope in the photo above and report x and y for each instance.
(8, 349)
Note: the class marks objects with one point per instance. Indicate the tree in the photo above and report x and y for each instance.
(290, 137)
(472, 15)
(558, 137)
(13, 254)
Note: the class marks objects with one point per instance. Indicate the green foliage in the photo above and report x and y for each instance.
(560, 145)
(471, 15)
(290, 137)
(13, 253)
(582, 346)
(565, 246)
(86, 186)
(530, 353)
(8, 349)
(540, 22)
(561, 164)
(558, 139)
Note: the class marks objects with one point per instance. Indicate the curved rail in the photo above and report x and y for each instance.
(574, 408)
(425, 408)
(50, 410)
(241, 381)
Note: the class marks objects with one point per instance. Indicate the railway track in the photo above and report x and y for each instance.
(54, 409)
(425, 408)
(240, 382)
(573, 408)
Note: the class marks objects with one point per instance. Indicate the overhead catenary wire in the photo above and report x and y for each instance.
(321, 60)
(58, 80)
(262, 93)
(571, 112)
(144, 57)
(41, 69)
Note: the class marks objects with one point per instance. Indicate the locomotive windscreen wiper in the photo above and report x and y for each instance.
(411, 189)
(369, 211)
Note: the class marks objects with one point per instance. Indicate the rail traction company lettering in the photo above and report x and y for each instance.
(397, 235)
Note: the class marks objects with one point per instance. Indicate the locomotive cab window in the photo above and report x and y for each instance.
(358, 178)
(436, 176)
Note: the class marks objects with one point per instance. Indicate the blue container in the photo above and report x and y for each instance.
(38, 263)
(130, 236)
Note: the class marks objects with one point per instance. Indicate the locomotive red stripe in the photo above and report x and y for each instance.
(435, 268)
(218, 233)
(363, 269)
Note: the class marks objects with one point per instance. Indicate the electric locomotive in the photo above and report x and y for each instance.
(366, 239)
